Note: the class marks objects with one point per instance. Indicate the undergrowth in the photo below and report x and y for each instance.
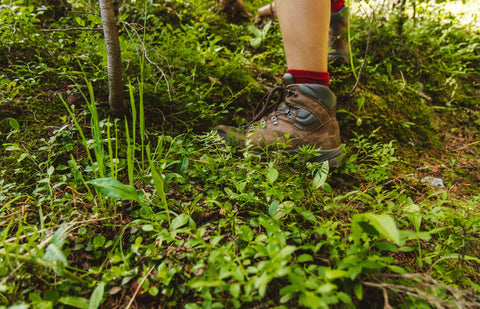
(154, 210)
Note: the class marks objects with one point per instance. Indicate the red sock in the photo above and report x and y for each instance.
(310, 77)
(337, 5)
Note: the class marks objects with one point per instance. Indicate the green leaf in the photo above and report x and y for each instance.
(413, 213)
(345, 298)
(157, 180)
(311, 300)
(358, 290)
(147, 227)
(254, 30)
(77, 302)
(216, 239)
(97, 295)
(272, 209)
(153, 291)
(255, 42)
(98, 241)
(397, 269)
(272, 175)
(14, 123)
(333, 274)
(320, 175)
(381, 225)
(302, 258)
(235, 290)
(309, 216)
(179, 221)
(111, 187)
(51, 295)
(245, 233)
(283, 209)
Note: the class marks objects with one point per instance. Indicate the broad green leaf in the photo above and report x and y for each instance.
(98, 241)
(333, 274)
(302, 258)
(255, 42)
(111, 187)
(147, 227)
(261, 282)
(272, 175)
(245, 233)
(12, 147)
(381, 225)
(153, 291)
(97, 295)
(240, 186)
(309, 216)
(358, 290)
(14, 123)
(235, 290)
(179, 221)
(345, 298)
(216, 239)
(77, 302)
(283, 209)
(311, 300)
(412, 212)
(321, 175)
(397, 269)
(254, 30)
(51, 295)
(272, 209)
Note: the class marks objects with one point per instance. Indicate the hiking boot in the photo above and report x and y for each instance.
(338, 52)
(303, 114)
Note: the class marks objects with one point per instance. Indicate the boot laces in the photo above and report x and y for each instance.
(269, 104)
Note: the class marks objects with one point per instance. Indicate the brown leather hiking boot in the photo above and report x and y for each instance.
(304, 114)
(339, 52)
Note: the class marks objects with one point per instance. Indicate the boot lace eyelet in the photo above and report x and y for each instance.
(290, 113)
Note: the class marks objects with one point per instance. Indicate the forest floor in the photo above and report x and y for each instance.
(147, 211)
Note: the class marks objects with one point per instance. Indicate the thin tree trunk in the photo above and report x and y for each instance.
(114, 58)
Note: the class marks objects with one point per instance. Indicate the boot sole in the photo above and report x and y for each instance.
(333, 156)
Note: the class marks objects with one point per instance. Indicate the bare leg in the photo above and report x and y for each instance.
(304, 25)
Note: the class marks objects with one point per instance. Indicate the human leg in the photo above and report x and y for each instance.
(304, 25)
(339, 51)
